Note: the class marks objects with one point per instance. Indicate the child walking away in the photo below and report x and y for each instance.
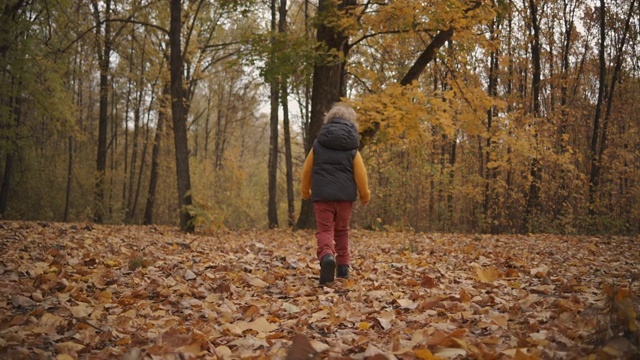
(332, 176)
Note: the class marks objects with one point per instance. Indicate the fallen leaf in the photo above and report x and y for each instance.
(450, 353)
(301, 348)
(189, 275)
(487, 274)
(253, 281)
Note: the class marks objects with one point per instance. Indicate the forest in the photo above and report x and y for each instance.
(475, 116)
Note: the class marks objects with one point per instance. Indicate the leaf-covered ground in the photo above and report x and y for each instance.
(131, 292)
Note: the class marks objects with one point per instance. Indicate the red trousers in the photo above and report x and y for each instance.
(332, 235)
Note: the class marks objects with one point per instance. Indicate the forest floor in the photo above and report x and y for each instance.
(85, 291)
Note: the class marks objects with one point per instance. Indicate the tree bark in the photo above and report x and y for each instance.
(179, 118)
(489, 171)
(534, 168)
(155, 155)
(67, 197)
(6, 184)
(282, 29)
(288, 157)
(104, 55)
(272, 167)
(593, 150)
(137, 118)
(598, 150)
(327, 87)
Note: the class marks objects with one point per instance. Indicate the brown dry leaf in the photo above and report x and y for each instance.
(253, 281)
(451, 353)
(425, 354)
(487, 274)
(540, 271)
(69, 347)
(428, 282)
(301, 348)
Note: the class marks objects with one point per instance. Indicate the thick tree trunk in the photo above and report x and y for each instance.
(327, 88)
(179, 118)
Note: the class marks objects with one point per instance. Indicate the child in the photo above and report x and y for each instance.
(332, 176)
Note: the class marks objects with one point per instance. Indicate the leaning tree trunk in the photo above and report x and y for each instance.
(424, 59)
(178, 113)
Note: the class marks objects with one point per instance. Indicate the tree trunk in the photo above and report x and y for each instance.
(598, 150)
(155, 155)
(137, 118)
(219, 135)
(490, 204)
(179, 113)
(282, 29)
(593, 150)
(562, 196)
(272, 168)
(207, 128)
(6, 184)
(288, 157)
(534, 168)
(104, 55)
(67, 197)
(273, 159)
(452, 173)
(143, 158)
(327, 87)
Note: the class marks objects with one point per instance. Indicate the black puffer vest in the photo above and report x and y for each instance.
(333, 153)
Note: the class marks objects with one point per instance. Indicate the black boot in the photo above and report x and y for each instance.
(343, 271)
(327, 269)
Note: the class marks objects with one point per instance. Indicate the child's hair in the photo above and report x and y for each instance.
(341, 111)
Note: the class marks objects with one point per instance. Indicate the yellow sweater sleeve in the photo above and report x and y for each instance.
(360, 175)
(305, 186)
